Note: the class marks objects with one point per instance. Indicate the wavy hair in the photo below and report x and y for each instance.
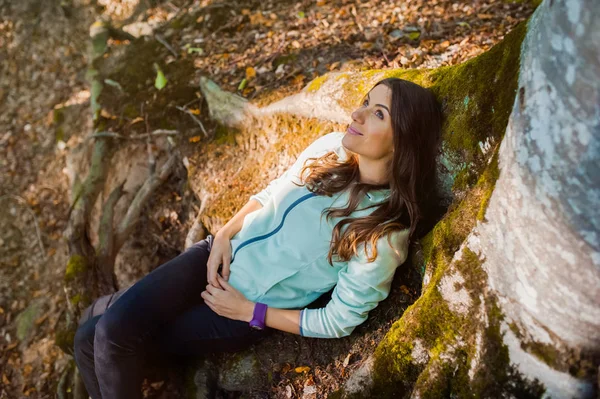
(416, 119)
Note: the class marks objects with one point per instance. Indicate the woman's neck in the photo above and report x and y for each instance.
(372, 172)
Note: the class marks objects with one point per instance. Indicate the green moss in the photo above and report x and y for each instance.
(225, 135)
(316, 83)
(130, 111)
(477, 97)
(65, 340)
(80, 299)
(59, 134)
(488, 182)
(285, 59)
(26, 319)
(76, 265)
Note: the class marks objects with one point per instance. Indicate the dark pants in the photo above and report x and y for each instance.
(163, 313)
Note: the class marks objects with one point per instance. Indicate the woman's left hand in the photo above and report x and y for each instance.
(228, 302)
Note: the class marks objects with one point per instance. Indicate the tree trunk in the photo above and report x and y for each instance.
(516, 310)
(511, 277)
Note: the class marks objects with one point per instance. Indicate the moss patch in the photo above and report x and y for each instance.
(25, 320)
(477, 97)
(76, 265)
(65, 340)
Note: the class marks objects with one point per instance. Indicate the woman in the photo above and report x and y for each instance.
(343, 220)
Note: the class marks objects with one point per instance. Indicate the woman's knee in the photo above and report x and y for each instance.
(83, 341)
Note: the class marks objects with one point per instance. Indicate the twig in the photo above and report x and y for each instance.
(187, 111)
(136, 206)
(164, 42)
(22, 201)
(151, 159)
(159, 132)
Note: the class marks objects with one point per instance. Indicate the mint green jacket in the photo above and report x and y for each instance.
(279, 257)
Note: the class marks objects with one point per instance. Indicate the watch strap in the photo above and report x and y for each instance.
(259, 315)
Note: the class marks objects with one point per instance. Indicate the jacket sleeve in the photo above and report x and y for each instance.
(322, 145)
(360, 287)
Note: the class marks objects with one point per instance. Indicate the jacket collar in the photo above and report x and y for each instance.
(376, 196)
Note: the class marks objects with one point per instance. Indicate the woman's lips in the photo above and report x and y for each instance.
(353, 131)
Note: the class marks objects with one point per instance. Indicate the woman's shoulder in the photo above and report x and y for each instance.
(329, 142)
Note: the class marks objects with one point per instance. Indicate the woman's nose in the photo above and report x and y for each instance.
(357, 115)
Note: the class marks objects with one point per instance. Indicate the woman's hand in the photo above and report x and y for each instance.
(220, 253)
(228, 302)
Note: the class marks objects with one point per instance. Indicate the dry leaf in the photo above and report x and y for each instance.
(5, 380)
(136, 120)
(302, 369)
(194, 111)
(194, 139)
(250, 73)
(347, 360)
(286, 367)
(299, 79)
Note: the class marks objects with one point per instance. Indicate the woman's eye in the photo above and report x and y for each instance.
(379, 114)
(366, 101)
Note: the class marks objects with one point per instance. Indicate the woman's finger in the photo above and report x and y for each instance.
(225, 271)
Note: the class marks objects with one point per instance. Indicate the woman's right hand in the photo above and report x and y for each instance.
(220, 253)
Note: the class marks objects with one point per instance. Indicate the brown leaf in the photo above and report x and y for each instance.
(194, 139)
(302, 369)
(250, 73)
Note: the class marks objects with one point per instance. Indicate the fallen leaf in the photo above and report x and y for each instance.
(194, 139)
(347, 360)
(194, 111)
(250, 73)
(299, 79)
(5, 380)
(302, 369)
(161, 81)
(136, 120)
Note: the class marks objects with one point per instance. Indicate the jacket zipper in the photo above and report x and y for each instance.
(265, 236)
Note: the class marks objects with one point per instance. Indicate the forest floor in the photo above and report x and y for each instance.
(250, 47)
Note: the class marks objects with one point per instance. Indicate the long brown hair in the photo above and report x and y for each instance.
(416, 124)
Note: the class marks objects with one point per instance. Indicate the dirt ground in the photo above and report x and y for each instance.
(249, 47)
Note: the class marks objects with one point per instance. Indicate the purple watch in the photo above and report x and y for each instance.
(258, 317)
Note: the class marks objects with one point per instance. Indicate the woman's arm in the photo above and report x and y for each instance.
(235, 223)
(231, 303)
(283, 319)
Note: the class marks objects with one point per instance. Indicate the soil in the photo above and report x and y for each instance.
(255, 48)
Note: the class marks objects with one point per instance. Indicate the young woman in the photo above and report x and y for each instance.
(342, 216)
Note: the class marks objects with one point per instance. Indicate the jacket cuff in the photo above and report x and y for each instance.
(300, 324)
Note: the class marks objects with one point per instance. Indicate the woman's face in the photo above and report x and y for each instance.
(370, 133)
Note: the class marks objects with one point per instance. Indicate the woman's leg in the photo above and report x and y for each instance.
(84, 356)
(155, 300)
(200, 330)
